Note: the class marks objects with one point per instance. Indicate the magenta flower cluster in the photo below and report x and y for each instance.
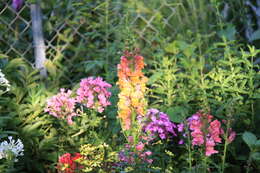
(157, 123)
(206, 131)
(93, 93)
(62, 105)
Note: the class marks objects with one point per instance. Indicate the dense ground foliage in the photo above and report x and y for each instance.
(183, 96)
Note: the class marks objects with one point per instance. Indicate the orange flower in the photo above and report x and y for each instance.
(132, 84)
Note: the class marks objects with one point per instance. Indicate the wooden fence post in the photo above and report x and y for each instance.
(38, 39)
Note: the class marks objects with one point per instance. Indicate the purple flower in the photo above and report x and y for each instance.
(162, 136)
(17, 4)
(158, 123)
(181, 142)
(153, 111)
(180, 127)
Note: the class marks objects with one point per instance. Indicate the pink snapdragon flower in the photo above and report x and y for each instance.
(231, 135)
(215, 130)
(62, 106)
(205, 131)
(210, 144)
(93, 93)
(139, 146)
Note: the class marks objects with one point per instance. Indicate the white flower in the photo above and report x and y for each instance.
(3, 81)
(15, 147)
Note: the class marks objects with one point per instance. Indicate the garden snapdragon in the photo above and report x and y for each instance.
(132, 85)
(206, 131)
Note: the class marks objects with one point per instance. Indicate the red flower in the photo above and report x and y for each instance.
(67, 163)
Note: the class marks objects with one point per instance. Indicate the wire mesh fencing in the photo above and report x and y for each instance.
(83, 32)
(15, 31)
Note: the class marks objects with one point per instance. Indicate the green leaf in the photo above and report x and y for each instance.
(95, 64)
(250, 139)
(257, 144)
(256, 96)
(50, 156)
(255, 35)
(177, 114)
(255, 156)
(154, 77)
(228, 33)
(182, 45)
(47, 143)
(189, 51)
(172, 48)
(51, 68)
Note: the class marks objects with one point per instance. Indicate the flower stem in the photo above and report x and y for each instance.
(205, 163)
(189, 148)
(224, 155)
(225, 148)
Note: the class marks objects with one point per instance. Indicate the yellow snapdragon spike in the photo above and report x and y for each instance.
(132, 85)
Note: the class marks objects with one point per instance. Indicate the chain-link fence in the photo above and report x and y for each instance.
(15, 31)
(82, 32)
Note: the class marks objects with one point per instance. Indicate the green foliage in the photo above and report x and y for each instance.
(90, 35)
(251, 140)
(221, 79)
(98, 158)
(194, 61)
(254, 144)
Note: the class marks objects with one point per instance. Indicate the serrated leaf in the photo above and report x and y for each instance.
(249, 138)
